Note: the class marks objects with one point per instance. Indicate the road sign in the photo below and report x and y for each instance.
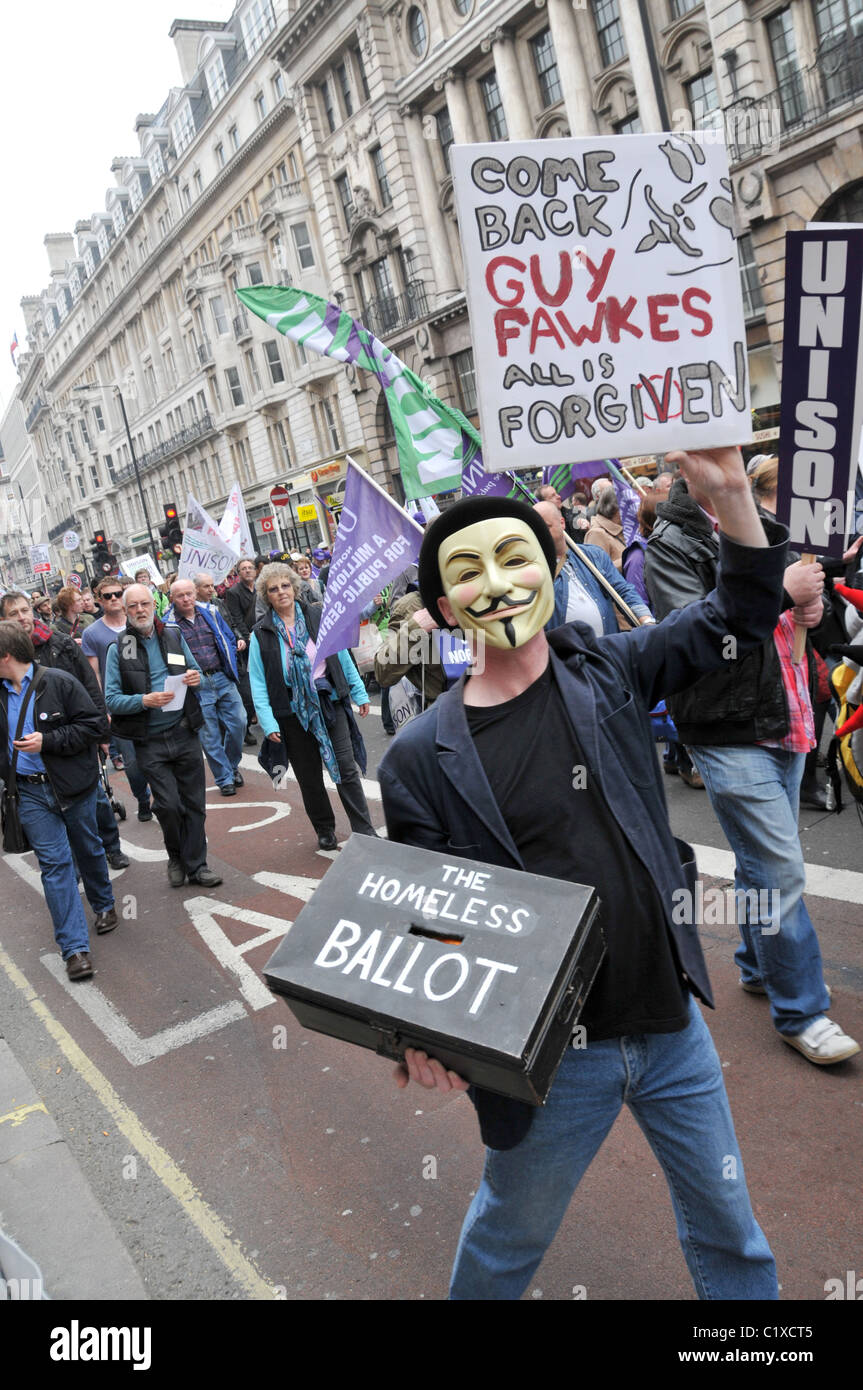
(74, 580)
(40, 561)
(307, 512)
(70, 540)
(267, 523)
(279, 496)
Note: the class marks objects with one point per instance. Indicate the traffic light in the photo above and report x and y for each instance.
(103, 562)
(171, 532)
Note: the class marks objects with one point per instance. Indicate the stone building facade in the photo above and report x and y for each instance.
(309, 144)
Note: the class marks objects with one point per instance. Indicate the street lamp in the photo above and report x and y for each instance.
(119, 394)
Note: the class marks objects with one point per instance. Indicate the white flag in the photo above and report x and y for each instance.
(234, 526)
(204, 549)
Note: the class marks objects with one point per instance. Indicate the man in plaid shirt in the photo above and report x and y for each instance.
(748, 730)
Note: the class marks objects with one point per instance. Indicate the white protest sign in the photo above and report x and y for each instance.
(142, 562)
(604, 296)
(204, 550)
(234, 526)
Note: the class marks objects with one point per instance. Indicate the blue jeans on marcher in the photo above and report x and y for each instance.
(54, 836)
(136, 779)
(673, 1084)
(221, 704)
(755, 793)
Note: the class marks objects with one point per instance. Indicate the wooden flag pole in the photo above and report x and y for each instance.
(799, 630)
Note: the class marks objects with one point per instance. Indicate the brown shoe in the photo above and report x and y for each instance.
(79, 966)
(692, 779)
(106, 921)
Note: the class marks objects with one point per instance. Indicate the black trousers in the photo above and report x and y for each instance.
(174, 767)
(304, 757)
(245, 688)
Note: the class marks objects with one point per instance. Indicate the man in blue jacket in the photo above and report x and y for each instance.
(214, 647)
(578, 594)
(544, 760)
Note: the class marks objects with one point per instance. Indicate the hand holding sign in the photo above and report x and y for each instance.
(428, 1072)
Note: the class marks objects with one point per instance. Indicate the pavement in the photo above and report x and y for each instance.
(300, 1144)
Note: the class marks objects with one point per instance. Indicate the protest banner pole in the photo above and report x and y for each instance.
(383, 492)
(585, 560)
(799, 630)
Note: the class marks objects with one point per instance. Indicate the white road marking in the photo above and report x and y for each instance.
(280, 809)
(203, 912)
(250, 764)
(121, 1034)
(842, 885)
(146, 856)
(293, 884)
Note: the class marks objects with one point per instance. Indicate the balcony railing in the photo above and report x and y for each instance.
(282, 196)
(755, 126)
(242, 327)
(205, 352)
(67, 524)
(175, 445)
(35, 411)
(388, 313)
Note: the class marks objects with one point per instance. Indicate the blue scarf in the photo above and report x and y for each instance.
(305, 703)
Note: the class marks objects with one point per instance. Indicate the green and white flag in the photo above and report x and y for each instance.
(434, 440)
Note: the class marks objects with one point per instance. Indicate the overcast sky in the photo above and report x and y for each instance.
(73, 78)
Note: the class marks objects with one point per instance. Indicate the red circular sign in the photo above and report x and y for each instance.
(267, 523)
(279, 496)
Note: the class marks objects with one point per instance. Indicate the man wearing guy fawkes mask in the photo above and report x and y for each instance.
(543, 759)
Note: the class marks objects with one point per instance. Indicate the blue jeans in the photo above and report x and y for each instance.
(55, 835)
(136, 779)
(673, 1084)
(755, 793)
(221, 704)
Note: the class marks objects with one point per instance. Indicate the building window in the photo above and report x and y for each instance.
(703, 100)
(234, 138)
(85, 437)
(255, 274)
(345, 87)
(183, 128)
(252, 369)
(753, 304)
(494, 112)
(545, 62)
(235, 390)
(465, 375)
(361, 73)
(463, 7)
(417, 32)
(303, 244)
(257, 23)
(279, 86)
(330, 426)
(444, 134)
(682, 7)
(260, 106)
(186, 196)
(274, 362)
(198, 181)
(630, 125)
(346, 202)
(99, 418)
(609, 31)
(282, 443)
(780, 32)
(217, 82)
(381, 176)
(327, 98)
(220, 155)
(220, 318)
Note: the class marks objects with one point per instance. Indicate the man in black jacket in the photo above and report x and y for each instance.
(748, 728)
(56, 773)
(53, 649)
(240, 603)
(544, 761)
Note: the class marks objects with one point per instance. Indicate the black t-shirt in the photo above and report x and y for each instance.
(563, 827)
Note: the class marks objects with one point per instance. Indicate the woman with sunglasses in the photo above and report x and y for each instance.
(308, 709)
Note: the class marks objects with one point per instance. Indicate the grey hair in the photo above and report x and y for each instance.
(598, 487)
(276, 571)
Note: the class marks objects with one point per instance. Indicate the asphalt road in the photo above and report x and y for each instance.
(236, 1154)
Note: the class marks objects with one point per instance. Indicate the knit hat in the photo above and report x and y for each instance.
(468, 512)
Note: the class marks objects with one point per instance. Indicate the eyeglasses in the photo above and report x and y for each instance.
(115, 593)
(277, 588)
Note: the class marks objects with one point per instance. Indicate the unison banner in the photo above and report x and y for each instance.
(604, 296)
(204, 549)
(819, 429)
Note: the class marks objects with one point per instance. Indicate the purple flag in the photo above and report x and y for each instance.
(475, 482)
(375, 541)
(564, 478)
(628, 503)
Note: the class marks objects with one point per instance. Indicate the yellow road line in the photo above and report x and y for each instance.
(20, 1113)
(202, 1217)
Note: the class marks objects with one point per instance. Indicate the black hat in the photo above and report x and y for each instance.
(468, 512)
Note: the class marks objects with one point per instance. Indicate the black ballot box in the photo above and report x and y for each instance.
(485, 968)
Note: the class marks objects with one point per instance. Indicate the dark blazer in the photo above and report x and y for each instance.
(436, 795)
(70, 725)
(240, 603)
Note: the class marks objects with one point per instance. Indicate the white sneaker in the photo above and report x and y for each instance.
(823, 1043)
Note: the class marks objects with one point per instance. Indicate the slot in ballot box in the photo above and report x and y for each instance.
(485, 968)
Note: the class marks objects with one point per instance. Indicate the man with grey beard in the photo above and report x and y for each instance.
(166, 740)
